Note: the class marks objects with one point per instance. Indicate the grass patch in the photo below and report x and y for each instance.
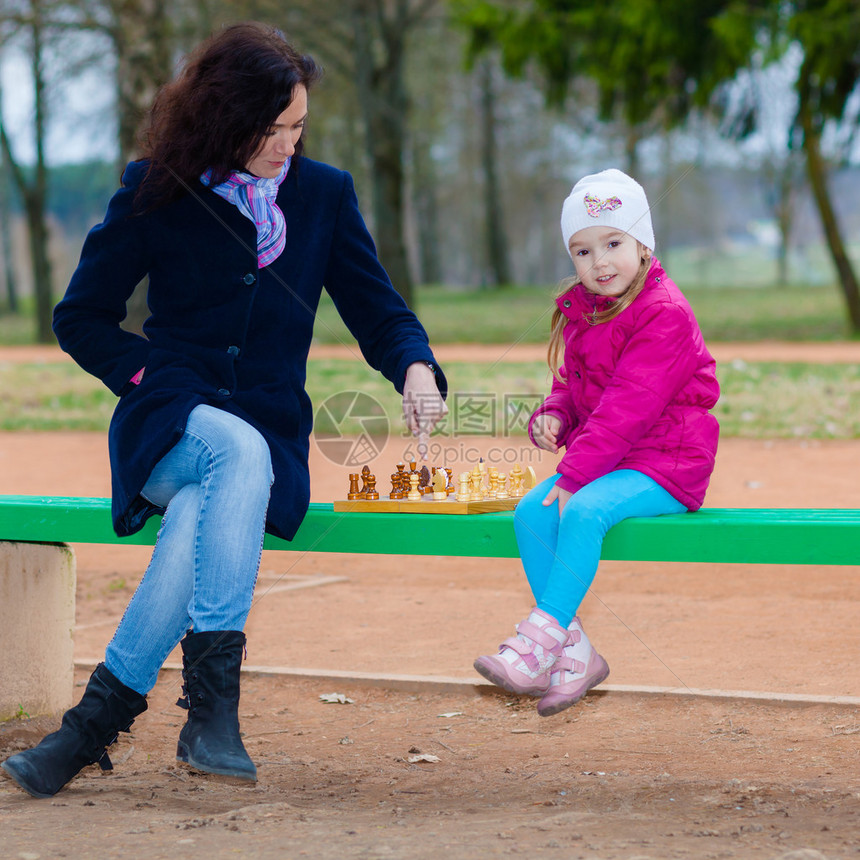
(787, 313)
(759, 400)
(52, 397)
(522, 314)
(17, 329)
(772, 400)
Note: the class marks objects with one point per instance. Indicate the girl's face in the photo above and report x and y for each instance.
(281, 139)
(606, 259)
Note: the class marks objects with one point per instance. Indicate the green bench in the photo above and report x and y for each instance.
(37, 568)
(736, 535)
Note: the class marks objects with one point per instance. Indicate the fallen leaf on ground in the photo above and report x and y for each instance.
(424, 757)
(335, 699)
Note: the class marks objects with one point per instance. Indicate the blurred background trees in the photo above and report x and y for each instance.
(465, 122)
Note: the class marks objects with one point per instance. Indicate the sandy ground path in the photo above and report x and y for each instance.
(829, 352)
(619, 776)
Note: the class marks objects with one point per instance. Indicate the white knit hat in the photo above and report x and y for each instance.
(608, 199)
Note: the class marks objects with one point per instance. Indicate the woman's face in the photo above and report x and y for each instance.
(281, 139)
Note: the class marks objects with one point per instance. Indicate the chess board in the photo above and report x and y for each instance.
(425, 505)
(482, 485)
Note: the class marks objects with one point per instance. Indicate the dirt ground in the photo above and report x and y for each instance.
(630, 773)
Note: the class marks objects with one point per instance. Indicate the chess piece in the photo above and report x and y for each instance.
(371, 493)
(493, 486)
(424, 481)
(402, 481)
(464, 493)
(365, 473)
(530, 479)
(517, 491)
(414, 493)
(395, 487)
(353, 493)
(476, 484)
(450, 489)
(501, 486)
(440, 480)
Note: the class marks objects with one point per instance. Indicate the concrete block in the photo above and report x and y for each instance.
(37, 625)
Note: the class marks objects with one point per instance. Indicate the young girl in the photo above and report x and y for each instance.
(237, 233)
(633, 384)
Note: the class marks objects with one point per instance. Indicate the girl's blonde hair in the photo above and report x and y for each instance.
(555, 351)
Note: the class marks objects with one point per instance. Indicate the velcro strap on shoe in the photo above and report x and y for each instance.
(574, 637)
(569, 664)
(105, 763)
(520, 646)
(526, 628)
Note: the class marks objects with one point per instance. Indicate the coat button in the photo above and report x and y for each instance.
(233, 350)
(566, 303)
(224, 392)
(250, 279)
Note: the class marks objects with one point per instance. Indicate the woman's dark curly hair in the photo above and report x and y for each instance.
(216, 112)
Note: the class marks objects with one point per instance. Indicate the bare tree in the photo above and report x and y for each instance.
(9, 279)
(141, 33)
(496, 241)
(365, 43)
(30, 26)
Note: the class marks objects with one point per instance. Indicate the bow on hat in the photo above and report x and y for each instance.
(594, 205)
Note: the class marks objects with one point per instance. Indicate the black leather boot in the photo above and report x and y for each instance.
(209, 740)
(107, 708)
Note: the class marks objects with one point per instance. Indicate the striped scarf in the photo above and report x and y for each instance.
(255, 199)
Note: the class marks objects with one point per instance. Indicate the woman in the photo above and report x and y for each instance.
(237, 233)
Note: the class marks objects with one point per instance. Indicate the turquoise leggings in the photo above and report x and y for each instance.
(560, 554)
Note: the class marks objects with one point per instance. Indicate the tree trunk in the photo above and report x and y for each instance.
(784, 219)
(142, 34)
(37, 228)
(142, 37)
(34, 194)
(632, 137)
(378, 60)
(6, 248)
(426, 208)
(36, 200)
(497, 244)
(817, 173)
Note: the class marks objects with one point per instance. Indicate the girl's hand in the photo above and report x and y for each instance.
(557, 493)
(545, 431)
(423, 406)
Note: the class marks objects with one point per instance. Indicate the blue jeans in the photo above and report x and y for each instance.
(215, 485)
(560, 554)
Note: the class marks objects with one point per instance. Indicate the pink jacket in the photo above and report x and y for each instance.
(637, 392)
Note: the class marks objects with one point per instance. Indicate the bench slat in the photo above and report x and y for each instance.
(739, 535)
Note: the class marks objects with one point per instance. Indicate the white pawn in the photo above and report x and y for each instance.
(464, 493)
(493, 488)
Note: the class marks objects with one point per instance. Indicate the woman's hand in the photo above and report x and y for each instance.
(423, 406)
(545, 431)
(557, 493)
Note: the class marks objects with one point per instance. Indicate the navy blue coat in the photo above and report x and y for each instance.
(223, 332)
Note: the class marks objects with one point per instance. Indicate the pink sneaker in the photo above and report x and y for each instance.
(578, 669)
(524, 661)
